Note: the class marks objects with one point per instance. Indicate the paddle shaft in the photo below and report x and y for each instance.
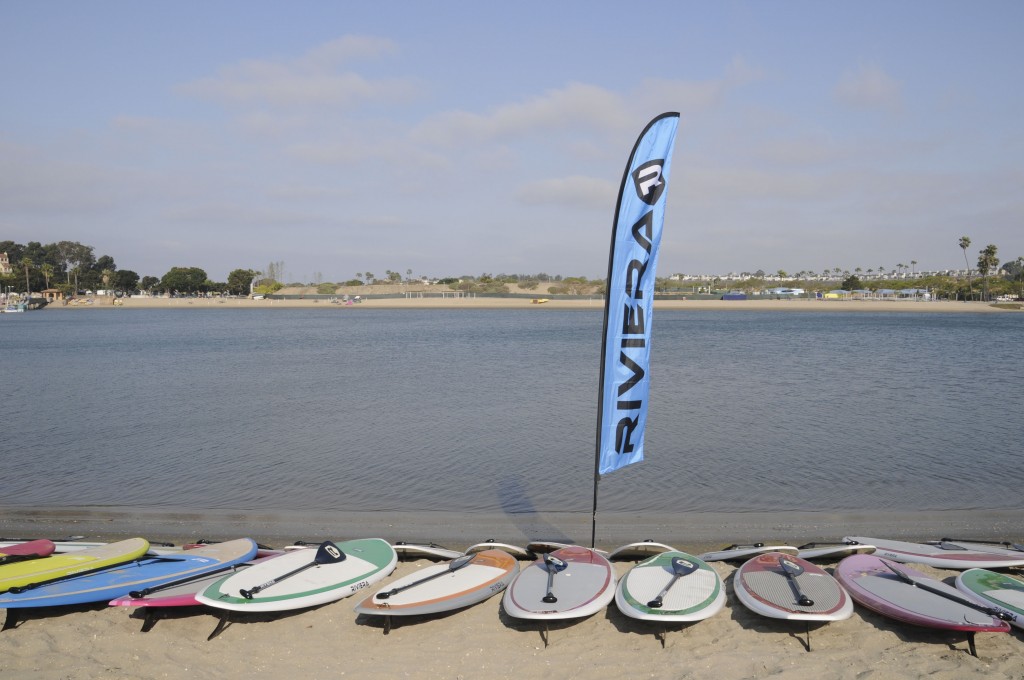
(452, 566)
(247, 594)
(657, 601)
(908, 579)
(179, 582)
(788, 569)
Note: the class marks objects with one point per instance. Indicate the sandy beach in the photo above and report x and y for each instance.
(482, 641)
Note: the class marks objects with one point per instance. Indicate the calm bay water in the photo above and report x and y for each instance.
(494, 411)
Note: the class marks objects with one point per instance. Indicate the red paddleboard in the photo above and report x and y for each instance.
(27, 550)
(905, 594)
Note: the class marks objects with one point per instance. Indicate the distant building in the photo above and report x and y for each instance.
(5, 264)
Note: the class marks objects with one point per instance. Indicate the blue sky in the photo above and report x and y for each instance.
(458, 138)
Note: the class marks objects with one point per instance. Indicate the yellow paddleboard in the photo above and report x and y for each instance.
(20, 574)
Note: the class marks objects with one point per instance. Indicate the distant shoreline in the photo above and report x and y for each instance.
(471, 302)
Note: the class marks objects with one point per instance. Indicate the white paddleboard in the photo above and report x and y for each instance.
(300, 578)
(735, 553)
(639, 550)
(517, 551)
(945, 554)
(575, 582)
(444, 587)
(832, 551)
(431, 551)
(663, 589)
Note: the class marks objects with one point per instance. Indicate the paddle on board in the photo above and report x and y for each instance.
(327, 553)
(680, 567)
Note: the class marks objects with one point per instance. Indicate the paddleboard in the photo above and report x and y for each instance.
(639, 550)
(300, 578)
(782, 586)
(736, 553)
(64, 546)
(567, 583)
(431, 551)
(182, 592)
(944, 554)
(694, 595)
(460, 583)
(28, 550)
(541, 547)
(516, 551)
(21, 574)
(144, 572)
(999, 591)
(832, 551)
(873, 584)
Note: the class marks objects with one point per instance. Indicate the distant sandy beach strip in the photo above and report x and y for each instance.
(479, 302)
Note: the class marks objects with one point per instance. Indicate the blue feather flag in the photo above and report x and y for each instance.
(625, 359)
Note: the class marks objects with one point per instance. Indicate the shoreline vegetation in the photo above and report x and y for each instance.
(487, 302)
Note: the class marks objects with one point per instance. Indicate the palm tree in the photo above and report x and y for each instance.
(965, 243)
(46, 269)
(913, 268)
(26, 262)
(107, 276)
(987, 261)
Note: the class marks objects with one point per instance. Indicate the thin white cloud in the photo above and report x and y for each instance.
(315, 78)
(869, 87)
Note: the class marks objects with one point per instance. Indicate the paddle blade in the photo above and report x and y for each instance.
(328, 553)
(790, 567)
(553, 564)
(681, 567)
(460, 562)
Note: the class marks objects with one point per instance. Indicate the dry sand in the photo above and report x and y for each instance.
(480, 642)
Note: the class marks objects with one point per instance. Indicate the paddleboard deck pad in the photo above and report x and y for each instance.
(296, 579)
(694, 596)
(999, 591)
(945, 554)
(873, 584)
(143, 572)
(567, 583)
(782, 586)
(444, 587)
